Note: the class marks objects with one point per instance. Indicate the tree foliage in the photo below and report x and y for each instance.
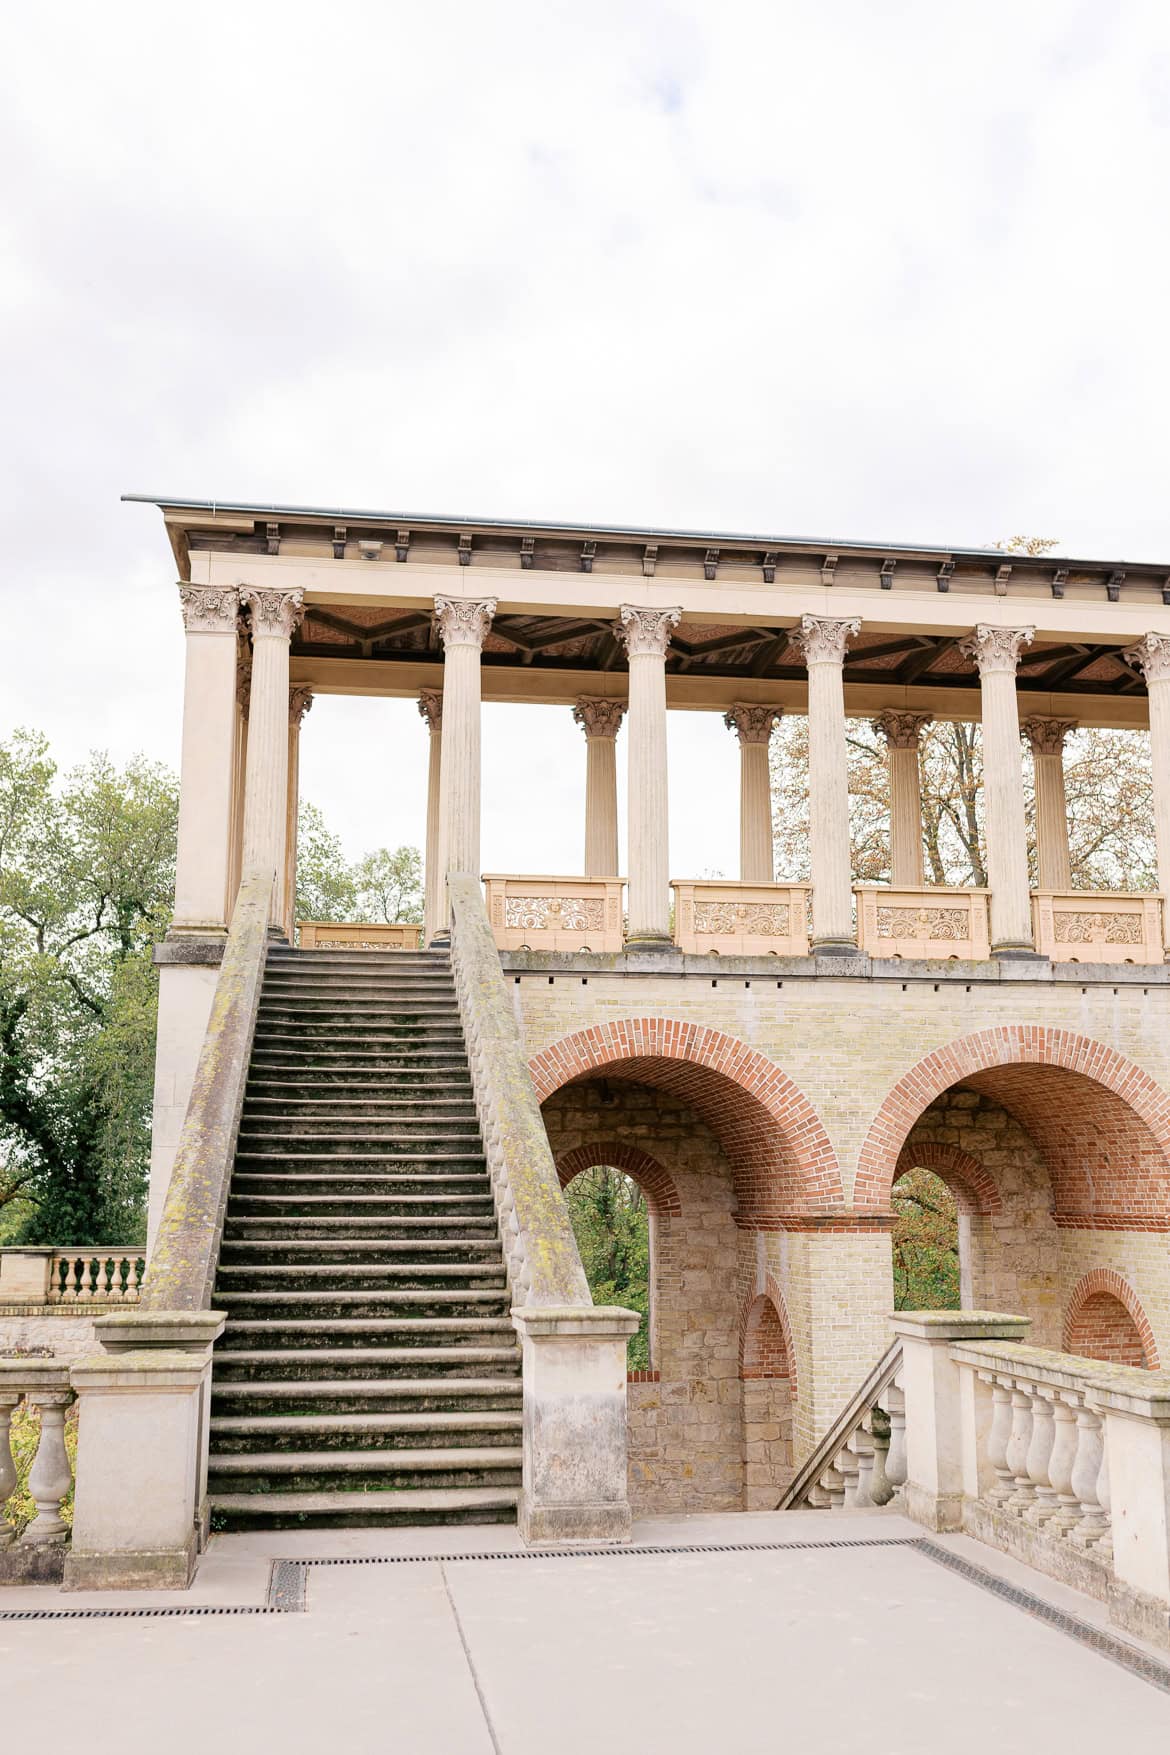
(608, 1214)
(86, 884)
(925, 1243)
(382, 886)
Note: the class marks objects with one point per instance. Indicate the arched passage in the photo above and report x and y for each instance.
(1105, 1320)
(768, 1378)
(1059, 1149)
(780, 1155)
(655, 1181)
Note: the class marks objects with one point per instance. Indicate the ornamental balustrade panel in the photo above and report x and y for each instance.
(95, 1276)
(41, 1384)
(555, 913)
(1098, 926)
(359, 935)
(747, 920)
(927, 922)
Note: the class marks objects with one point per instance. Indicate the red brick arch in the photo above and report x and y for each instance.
(780, 1154)
(953, 1166)
(765, 1336)
(655, 1181)
(1105, 1320)
(1100, 1122)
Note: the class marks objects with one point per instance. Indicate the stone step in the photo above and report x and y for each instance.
(340, 1206)
(336, 1510)
(319, 1114)
(445, 1088)
(350, 1013)
(281, 1259)
(434, 1138)
(274, 1364)
(404, 1237)
(405, 1396)
(296, 1304)
(357, 1331)
(356, 1278)
(310, 1064)
(266, 1471)
(482, 1429)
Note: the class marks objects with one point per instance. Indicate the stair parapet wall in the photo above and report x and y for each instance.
(544, 1265)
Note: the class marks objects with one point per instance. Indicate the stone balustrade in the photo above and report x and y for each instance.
(737, 919)
(1098, 926)
(925, 922)
(36, 1555)
(555, 913)
(1062, 1462)
(31, 1277)
(359, 935)
(860, 1461)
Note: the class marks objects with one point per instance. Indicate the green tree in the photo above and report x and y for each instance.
(389, 885)
(925, 1243)
(326, 888)
(608, 1213)
(86, 882)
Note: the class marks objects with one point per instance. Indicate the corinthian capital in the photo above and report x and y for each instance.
(752, 724)
(597, 717)
(299, 701)
(209, 609)
(430, 705)
(996, 649)
(273, 614)
(1152, 656)
(643, 631)
(1047, 736)
(901, 730)
(822, 639)
(464, 621)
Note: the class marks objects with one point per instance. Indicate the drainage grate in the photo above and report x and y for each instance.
(608, 1553)
(1119, 1651)
(136, 1614)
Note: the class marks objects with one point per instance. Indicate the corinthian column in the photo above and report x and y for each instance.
(430, 705)
(274, 616)
(299, 702)
(902, 732)
(1152, 656)
(205, 792)
(753, 727)
(463, 624)
(996, 651)
(1046, 736)
(646, 636)
(599, 719)
(823, 644)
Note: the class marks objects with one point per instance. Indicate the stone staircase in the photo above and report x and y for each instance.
(369, 1373)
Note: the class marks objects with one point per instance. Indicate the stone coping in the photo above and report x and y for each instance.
(851, 966)
(1122, 1388)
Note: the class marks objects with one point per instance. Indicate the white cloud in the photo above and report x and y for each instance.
(861, 271)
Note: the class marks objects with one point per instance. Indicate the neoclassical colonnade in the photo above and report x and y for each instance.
(240, 756)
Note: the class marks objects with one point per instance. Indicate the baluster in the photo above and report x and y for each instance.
(1060, 1465)
(8, 1402)
(816, 1498)
(997, 1442)
(847, 1467)
(865, 1452)
(1085, 1470)
(1039, 1452)
(1019, 1441)
(84, 1287)
(834, 1487)
(880, 1487)
(50, 1477)
(1104, 1548)
(896, 1454)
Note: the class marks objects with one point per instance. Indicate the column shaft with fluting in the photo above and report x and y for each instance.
(430, 706)
(203, 865)
(299, 702)
(822, 642)
(646, 635)
(463, 624)
(902, 732)
(1152, 656)
(273, 616)
(600, 718)
(753, 728)
(996, 652)
(1046, 737)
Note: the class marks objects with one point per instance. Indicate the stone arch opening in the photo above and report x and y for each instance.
(767, 1371)
(1105, 1320)
(1057, 1147)
(782, 1162)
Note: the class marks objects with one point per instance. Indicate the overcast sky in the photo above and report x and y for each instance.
(886, 272)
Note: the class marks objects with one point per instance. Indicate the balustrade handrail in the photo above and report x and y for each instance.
(1042, 1364)
(544, 1265)
(181, 1270)
(868, 1392)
